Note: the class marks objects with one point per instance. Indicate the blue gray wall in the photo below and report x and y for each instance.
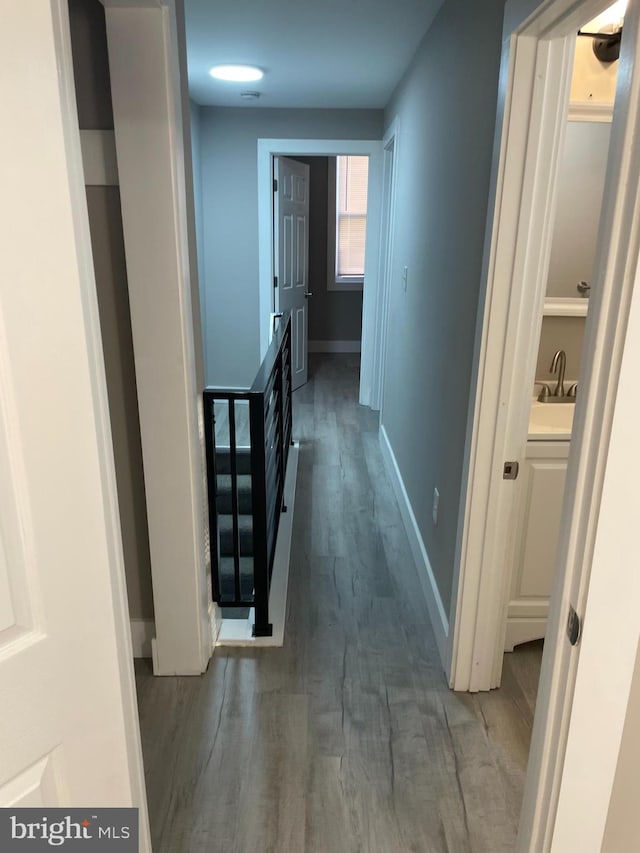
(228, 148)
(446, 106)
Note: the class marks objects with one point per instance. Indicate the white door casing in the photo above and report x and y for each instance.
(537, 54)
(387, 234)
(69, 733)
(145, 45)
(291, 256)
(373, 324)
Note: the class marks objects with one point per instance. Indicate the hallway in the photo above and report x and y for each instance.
(348, 738)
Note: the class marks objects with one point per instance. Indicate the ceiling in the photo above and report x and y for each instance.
(324, 54)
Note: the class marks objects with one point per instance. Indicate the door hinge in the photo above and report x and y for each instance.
(574, 626)
(275, 281)
(510, 470)
(275, 185)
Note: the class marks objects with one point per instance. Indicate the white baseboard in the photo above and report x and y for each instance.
(437, 612)
(334, 346)
(237, 632)
(524, 631)
(215, 623)
(143, 632)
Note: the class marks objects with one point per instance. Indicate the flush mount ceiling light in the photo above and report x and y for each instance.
(236, 73)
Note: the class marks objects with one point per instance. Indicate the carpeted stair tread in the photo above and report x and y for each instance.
(224, 505)
(243, 460)
(227, 592)
(223, 494)
(245, 529)
(236, 613)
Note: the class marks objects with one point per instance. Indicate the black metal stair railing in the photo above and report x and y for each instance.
(246, 469)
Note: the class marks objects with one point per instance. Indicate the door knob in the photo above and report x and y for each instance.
(308, 294)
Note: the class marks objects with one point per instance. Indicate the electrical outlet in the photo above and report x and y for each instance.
(436, 505)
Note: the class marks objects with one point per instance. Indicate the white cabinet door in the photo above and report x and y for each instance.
(291, 238)
(542, 491)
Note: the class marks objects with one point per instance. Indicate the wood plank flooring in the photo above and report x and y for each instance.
(348, 738)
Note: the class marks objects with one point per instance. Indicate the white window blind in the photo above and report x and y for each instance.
(352, 174)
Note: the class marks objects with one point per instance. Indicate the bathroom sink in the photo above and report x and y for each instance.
(550, 421)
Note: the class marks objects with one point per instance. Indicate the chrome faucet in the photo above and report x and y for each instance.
(558, 395)
(559, 365)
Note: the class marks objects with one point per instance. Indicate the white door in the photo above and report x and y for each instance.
(68, 720)
(291, 252)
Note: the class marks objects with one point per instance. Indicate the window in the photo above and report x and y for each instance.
(348, 222)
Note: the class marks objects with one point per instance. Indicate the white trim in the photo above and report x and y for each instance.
(230, 388)
(593, 511)
(237, 632)
(390, 143)
(588, 111)
(144, 57)
(531, 118)
(524, 187)
(99, 158)
(215, 621)
(143, 632)
(267, 149)
(555, 306)
(353, 284)
(334, 346)
(120, 605)
(333, 283)
(84, 352)
(435, 606)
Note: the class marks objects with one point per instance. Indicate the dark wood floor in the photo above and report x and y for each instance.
(348, 738)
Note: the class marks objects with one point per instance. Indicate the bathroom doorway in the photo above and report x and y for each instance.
(546, 443)
(540, 45)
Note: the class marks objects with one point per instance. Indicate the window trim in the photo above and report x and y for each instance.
(353, 283)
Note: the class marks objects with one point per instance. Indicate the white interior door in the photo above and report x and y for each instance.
(291, 253)
(68, 721)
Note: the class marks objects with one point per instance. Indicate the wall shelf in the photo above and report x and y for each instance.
(590, 111)
(559, 307)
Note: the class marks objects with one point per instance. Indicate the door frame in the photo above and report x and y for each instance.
(148, 72)
(535, 80)
(538, 47)
(390, 144)
(81, 346)
(372, 326)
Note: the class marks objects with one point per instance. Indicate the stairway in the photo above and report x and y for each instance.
(224, 504)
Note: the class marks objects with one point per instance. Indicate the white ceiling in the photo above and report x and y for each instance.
(327, 53)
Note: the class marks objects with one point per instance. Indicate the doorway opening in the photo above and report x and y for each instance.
(540, 486)
(319, 254)
(269, 152)
(531, 128)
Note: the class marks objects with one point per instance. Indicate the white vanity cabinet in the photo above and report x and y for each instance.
(541, 492)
